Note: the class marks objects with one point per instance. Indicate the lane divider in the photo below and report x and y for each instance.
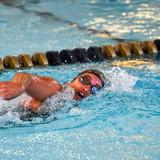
(129, 51)
(157, 43)
(135, 49)
(123, 50)
(1, 64)
(149, 47)
(39, 59)
(10, 62)
(25, 60)
(109, 52)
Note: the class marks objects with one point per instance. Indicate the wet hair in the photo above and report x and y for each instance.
(96, 72)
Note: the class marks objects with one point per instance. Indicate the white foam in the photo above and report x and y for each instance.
(120, 80)
(7, 113)
(76, 111)
(3, 107)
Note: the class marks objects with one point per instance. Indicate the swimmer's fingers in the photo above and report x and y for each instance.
(22, 78)
(9, 90)
(4, 94)
(35, 78)
(2, 90)
(3, 85)
(7, 85)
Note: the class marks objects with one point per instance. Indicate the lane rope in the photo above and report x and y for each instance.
(124, 51)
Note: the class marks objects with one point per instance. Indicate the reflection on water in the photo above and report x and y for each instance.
(45, 25)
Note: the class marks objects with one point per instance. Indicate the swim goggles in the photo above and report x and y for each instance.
(86, 80)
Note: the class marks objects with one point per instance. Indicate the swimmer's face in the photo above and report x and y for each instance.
(85, 85)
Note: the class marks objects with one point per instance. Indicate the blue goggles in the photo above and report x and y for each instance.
(94, 89)
(86, 80)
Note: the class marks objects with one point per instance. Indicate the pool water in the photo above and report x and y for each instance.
(122, 120)
(41, 25)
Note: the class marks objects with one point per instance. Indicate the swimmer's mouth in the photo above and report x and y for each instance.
(81, 95)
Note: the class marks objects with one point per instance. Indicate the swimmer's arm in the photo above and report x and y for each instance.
(15, 87)
(38, 87)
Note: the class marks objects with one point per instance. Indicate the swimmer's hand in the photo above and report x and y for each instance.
(33, 105)
(10, 90)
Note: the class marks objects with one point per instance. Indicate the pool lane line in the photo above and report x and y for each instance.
(145, 50)
(90, 31)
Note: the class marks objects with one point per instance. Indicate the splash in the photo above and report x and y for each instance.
(120, 80)
(8, 111)
(12, 114)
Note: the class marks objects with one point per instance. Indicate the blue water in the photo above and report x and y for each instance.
(122, 120)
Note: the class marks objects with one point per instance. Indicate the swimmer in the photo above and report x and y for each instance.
(40, 89)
